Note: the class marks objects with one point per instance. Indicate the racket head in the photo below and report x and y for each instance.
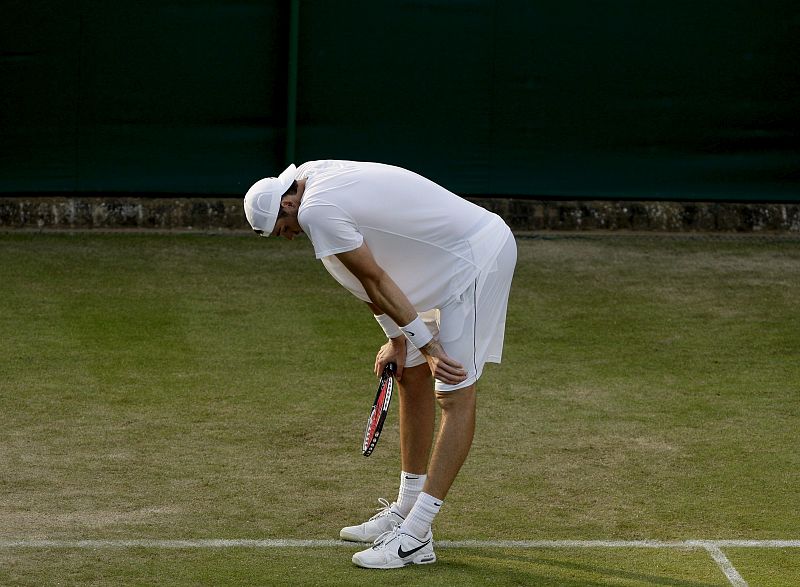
(380, 408)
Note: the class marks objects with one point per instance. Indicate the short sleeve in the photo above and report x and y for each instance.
(330, 229)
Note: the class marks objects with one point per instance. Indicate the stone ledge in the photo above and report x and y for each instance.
(526, 215)
(122, 212)
(522, 215)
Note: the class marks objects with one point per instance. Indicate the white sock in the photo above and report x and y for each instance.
(419, 520)
(410, 486)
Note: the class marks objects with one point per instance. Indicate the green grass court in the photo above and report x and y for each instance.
(195, 387)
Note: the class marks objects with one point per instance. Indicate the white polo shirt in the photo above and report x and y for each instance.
(431, 242)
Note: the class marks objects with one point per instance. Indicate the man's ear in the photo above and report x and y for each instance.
(287, 203)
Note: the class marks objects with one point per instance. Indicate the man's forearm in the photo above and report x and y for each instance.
(397, 299)
(389, 299)
(384, 294)
(389, 326)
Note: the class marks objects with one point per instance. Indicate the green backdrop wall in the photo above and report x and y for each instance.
(614, 99)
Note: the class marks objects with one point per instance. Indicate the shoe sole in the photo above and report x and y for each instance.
(355, 538)
(422, 559)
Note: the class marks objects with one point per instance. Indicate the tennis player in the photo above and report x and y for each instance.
(435, 270)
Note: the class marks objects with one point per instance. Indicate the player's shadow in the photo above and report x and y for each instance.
(516, 576)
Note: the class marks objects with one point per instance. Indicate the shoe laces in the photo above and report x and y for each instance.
(385, 510)
(387, 536)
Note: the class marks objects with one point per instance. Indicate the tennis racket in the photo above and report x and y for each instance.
(379, 410)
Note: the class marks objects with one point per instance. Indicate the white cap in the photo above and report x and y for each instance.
(263, 200)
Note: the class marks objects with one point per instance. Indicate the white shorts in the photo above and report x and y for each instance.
(472, 328)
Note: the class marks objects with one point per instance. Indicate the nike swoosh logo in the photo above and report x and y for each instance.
(409, 333)
(404, 553)
(412, 478)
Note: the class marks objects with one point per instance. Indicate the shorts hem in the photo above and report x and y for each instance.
(439, 386)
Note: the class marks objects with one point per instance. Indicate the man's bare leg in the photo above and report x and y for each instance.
(417, 416)
(454, 440)
(456, 429)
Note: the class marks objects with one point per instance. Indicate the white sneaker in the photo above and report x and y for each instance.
(380, 523)
(397, 549)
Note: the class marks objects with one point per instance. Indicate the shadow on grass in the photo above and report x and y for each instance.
(504, 568)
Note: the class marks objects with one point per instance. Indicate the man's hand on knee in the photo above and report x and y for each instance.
(443, 368)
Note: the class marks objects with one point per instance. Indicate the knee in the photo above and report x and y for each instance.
(459, 399)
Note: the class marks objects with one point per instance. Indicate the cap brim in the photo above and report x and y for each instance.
(287, 177)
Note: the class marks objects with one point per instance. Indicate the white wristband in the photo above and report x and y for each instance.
(417, 333)
(389, 327)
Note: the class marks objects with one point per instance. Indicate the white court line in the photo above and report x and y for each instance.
(167, 544)
(6, 543)
(724, 564)
(560, 544)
